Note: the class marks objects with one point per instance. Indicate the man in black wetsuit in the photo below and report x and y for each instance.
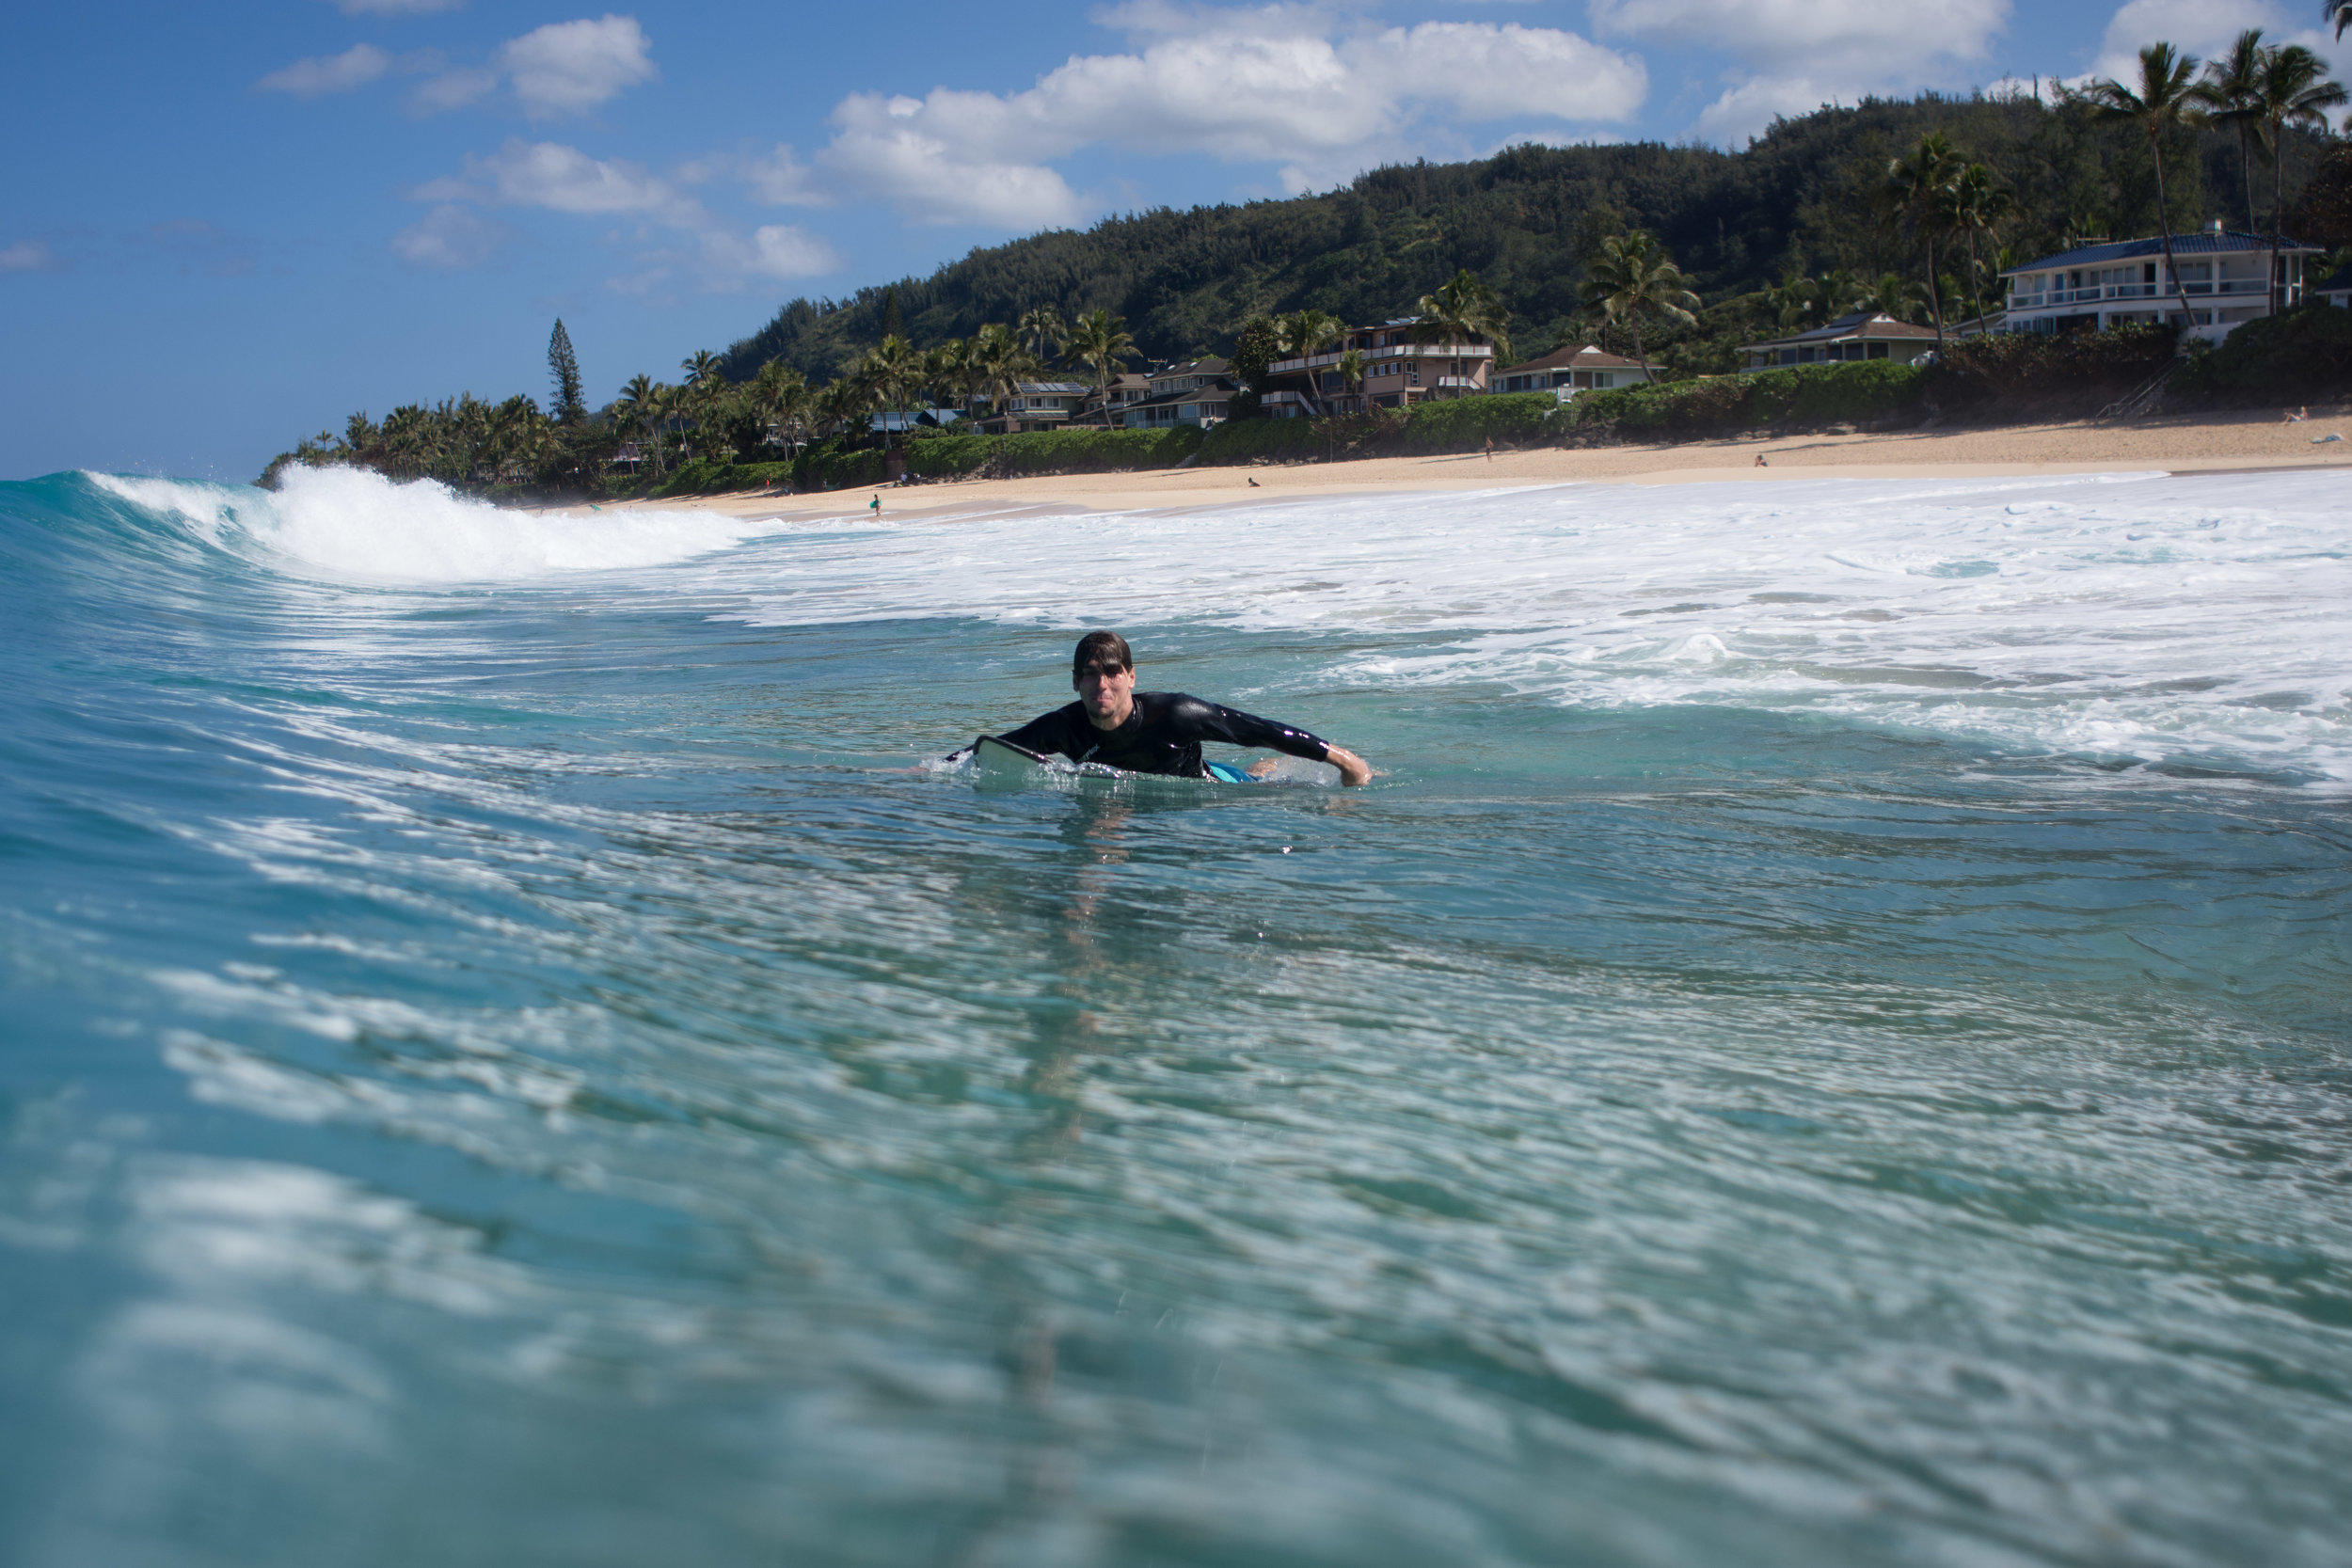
(1156, 732)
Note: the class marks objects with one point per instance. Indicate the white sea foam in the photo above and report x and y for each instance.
(351, 524)
(2167, 620)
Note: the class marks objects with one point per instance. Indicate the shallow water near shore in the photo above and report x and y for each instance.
(1828, 1043)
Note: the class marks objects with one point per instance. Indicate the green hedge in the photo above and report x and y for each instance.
(1466, 424)
(1273, 441)
(1453, 424)
(1813, 394)
(2029, 365)
(704, 477)
(2304, 352)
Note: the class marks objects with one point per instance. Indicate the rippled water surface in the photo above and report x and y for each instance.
(1827, 1044)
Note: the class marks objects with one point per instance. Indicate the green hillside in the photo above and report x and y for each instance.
(1800, 199)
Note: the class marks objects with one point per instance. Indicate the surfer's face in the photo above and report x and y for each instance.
(1109, 695)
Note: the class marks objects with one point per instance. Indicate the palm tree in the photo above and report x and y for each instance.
(2167, 96)
(1463, 309)
(703, 381)
(637, 404)
(1897, 297)
(1977, 207)
(1038, 323)
(893, 370)
(1304, 334)
(843, 403)
(2337, 11)
(1796, 302)
(1000, 363)
(2232, 79)
(1351, 368)
(1919, 188)
(781, 399)
(1633, 276)
(2292, 91)
(1098, 340)
(943, 371)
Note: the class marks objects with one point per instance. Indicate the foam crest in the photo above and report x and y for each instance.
(352, 524)
(2138, 617)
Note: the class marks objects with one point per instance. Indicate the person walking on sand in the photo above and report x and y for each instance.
(1491, 449)
(875, 503)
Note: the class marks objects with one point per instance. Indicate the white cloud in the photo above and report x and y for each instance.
(2204, 27)
(781, 180)
(568, 68)
(311, 78)
(448, 238)
(1834, 36)
(564, 68)
(1273, 83)
(559, 179)
(564, 179)
(30, 256)
(774, 250)
(1793, 56)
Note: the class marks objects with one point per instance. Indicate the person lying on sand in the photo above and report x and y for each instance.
(1155, 732)
(2296, 415)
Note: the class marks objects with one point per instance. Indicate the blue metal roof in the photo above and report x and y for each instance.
(2203, 243)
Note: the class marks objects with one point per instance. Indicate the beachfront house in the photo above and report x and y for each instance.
(1130, 386)
(1036, 406)
(1565, 371)
(1863, 335)
(2336, 289)
(2225, 282)
(1398, 372)
(1197, 391)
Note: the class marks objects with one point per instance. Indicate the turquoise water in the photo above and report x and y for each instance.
(1827, 1043)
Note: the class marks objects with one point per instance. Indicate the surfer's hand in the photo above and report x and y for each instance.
(1353, 768)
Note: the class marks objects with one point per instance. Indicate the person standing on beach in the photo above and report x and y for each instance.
(1155, 732)
(875, 503)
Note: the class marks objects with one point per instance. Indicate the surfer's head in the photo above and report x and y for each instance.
(1103, 673)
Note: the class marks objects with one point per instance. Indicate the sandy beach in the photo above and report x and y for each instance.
(2208, 443)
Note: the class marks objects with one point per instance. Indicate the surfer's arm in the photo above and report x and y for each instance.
(1215, 721)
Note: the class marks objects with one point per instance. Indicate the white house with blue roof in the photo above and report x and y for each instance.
(2224, 282)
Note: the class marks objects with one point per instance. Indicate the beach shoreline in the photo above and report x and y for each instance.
(2182, 444)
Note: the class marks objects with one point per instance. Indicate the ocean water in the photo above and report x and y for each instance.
(1827, 1043)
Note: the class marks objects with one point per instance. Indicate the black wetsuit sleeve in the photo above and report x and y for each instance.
(1202, 720)
(1045, 734)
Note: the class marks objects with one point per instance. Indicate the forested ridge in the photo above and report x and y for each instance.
(1801, 200)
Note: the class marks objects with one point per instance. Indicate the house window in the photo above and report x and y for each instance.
(1413, 373)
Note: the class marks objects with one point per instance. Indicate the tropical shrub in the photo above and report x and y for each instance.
(1871, 389)
(2304, 352)
(1272, 440)
(707, 476)
(1465, 424)
(2026, 365)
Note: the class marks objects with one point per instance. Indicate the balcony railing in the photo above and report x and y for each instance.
(1418, 351)
(2050, 297)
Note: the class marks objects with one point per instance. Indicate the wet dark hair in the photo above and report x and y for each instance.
(1106, 648)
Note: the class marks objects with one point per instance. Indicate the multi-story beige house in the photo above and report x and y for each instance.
(1106, 407)
(1197, 391)
(1398, 372)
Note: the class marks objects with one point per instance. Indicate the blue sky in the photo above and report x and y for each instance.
(226, 226)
